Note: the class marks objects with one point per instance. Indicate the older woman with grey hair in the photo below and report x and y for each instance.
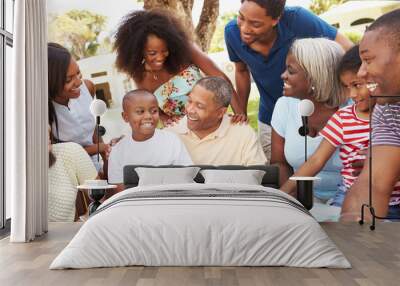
(310, 74)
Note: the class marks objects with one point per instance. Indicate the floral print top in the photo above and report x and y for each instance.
(172, 95)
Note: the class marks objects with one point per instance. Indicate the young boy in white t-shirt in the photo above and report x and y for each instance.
(147, 145)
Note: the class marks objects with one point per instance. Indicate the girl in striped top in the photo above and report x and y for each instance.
(348, 129)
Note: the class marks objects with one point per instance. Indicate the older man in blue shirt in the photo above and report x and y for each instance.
(258, 42)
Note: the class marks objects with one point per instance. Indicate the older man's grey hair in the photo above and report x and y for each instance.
(221, 89)
(319, 58)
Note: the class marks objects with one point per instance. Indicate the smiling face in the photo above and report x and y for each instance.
(357, 90)
(155, 53)
(141, 112)
(253, 23)
(204, 114)
(380, 65)
(72, 83)
(295, 82)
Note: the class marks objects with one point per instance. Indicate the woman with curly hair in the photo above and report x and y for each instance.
(154, 50)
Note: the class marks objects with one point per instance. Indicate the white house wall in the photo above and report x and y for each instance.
(106, 63)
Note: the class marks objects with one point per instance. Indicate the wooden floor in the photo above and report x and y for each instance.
(374, 255)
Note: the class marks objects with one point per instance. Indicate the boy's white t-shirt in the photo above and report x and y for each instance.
(164, 148)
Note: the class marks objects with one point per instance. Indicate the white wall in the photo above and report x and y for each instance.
(105, 63)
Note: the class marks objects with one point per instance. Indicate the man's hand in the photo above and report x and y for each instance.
(239, 118)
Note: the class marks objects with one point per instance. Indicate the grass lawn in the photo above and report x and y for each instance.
(252, 112)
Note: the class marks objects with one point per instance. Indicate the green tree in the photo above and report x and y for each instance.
(353, 36)
(321, 6)
(78, 31)
(217, 42)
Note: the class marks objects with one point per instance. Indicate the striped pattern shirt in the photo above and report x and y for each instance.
(386, 131)
(351, 133)
(386, 125)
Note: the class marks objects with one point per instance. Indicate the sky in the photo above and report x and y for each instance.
(122, 7)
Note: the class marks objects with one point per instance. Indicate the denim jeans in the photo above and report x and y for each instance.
(338, 199)
(394, 213)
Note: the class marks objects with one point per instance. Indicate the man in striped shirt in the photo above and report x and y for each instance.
(380, 54)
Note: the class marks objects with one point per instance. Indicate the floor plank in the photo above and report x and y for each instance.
(375, 257)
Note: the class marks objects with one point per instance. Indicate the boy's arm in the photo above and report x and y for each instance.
(313, 165)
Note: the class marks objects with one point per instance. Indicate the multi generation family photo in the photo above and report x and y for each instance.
(202, 133)
(211, 87)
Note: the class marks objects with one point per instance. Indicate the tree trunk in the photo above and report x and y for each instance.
(182, 9)
(208, 22)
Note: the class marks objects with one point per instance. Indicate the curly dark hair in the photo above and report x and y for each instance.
(131, 39)
(274, 8)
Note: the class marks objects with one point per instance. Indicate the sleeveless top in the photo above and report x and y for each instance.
(75, 122)
(172, 95)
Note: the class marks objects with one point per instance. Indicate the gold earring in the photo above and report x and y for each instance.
(143, 61)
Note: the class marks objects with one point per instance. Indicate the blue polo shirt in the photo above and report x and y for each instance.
(295, 23)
